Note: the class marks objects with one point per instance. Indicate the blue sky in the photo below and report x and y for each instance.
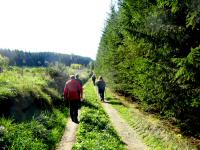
(63, 26)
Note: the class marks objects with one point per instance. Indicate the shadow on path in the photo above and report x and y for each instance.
(110, 101)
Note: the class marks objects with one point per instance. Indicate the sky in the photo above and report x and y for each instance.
(63, 26)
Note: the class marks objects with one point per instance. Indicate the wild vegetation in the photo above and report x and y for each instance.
(150, 50)
(95, 130)
(32, 110)
(3, 61)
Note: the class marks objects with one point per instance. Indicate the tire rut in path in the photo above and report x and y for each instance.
(128, 135)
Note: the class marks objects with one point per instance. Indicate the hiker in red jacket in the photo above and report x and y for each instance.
(73, 93)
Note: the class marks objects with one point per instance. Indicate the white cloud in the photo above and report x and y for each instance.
(65, 26)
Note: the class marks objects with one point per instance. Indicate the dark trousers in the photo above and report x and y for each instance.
(101, 93)
(73, 106)
(93, 81)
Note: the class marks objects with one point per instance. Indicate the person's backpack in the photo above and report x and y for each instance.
(101, 85)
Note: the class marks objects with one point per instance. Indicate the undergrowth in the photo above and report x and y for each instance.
(42, 132)
(32, 113)
(32, 110)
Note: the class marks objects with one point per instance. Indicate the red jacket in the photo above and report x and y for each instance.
(73, 90)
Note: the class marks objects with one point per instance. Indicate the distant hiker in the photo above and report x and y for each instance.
(73, 93)
(94, 78)
(77, 79)
(101, 87)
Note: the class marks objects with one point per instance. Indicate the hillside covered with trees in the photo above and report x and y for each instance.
(20, 58)
(150, 51)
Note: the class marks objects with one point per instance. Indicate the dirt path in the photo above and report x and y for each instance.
(127, 134)
(69, 136)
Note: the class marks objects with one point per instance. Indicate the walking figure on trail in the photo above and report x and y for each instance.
(93, 78)
(77, 79)
(73, 93)
(101, 85)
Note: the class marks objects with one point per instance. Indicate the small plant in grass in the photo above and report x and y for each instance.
(95, 130)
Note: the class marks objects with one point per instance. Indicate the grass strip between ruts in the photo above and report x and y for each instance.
(95, 130)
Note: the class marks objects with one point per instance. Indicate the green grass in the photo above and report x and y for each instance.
(28, 86)
(32, 111)
(33, 115)
(15, 83)
(42, 132)
(95, 130)
(155, 134)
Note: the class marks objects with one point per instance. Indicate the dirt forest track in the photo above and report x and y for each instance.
(69, 136)
(128, 136)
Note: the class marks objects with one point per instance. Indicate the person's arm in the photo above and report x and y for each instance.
(80, 89)
(81, 92)
(65, 92)
(81, 83)
(104, 86)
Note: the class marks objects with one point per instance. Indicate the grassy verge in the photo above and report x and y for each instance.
(40, 133)
(95, 130)
(19, 85)
(153, 132)
(32, 113)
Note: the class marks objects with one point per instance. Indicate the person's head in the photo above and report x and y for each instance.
(100, 78)
(72, 77)
(77, 76)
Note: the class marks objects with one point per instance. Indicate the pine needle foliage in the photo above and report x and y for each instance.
(149, 50)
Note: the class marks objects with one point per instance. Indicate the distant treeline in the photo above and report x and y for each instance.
(150, 50)
(20, 58)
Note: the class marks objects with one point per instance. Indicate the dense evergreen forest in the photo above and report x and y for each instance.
(20, 58)
(150, 51)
